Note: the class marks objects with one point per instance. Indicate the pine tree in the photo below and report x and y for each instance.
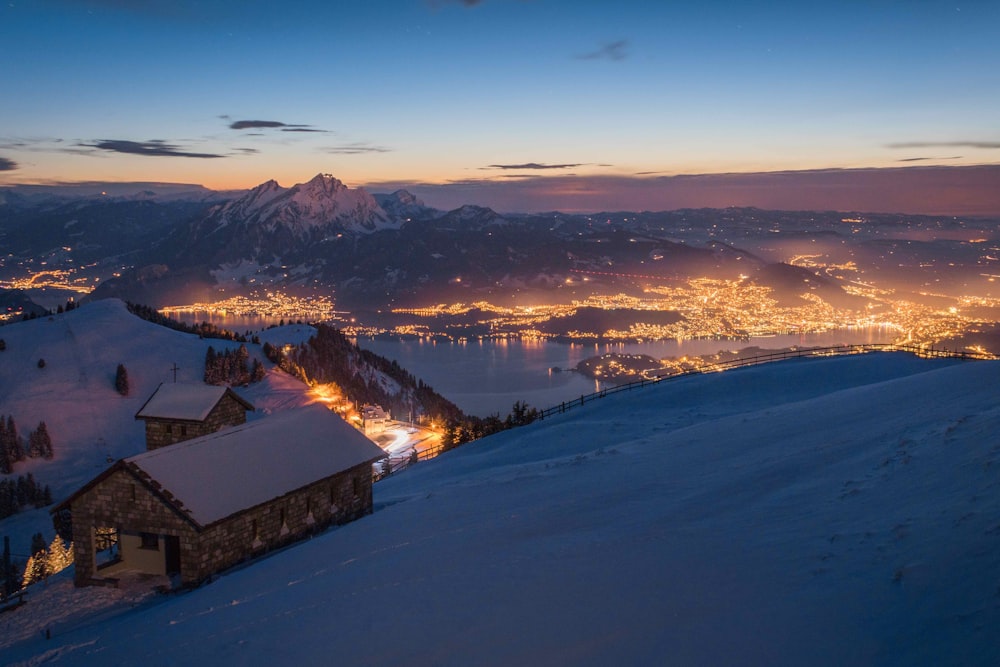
(41, 363)
(3, 345)
(34, 571)
(39, 442)
(59, 557)
(211, 366)
(62, 521)
(15, 450)
(45, 441)
(121, 380)
(37, 543)
(242, 370)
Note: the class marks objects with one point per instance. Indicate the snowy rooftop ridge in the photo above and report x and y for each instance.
(244, 466)
(185, 401)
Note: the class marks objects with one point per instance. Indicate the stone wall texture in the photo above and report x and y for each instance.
(163, 432)
(122, 501)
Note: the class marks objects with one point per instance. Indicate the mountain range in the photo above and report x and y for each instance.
(377, 251)
(371, 249)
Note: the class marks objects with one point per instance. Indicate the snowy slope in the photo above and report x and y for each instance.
(74, 394)
(834, 511)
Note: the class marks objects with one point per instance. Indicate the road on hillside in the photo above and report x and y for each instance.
(402, 438)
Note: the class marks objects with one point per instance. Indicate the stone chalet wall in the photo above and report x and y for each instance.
(122, 501)
(335, 500)
(162, 432)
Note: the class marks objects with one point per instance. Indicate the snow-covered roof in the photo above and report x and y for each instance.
(373, 412)
(214, 476)
(190, 402)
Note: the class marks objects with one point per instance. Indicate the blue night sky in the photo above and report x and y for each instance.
(501, 96)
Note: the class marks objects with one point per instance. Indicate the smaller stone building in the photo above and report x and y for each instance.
(200, 506)
(177, 412)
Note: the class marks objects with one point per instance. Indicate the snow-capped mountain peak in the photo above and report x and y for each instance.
(322, 203)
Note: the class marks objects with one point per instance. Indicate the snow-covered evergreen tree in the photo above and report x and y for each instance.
(35, 569)
(59, 556)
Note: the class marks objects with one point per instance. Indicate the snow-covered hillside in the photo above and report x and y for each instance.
(822, 512)
(74, 394)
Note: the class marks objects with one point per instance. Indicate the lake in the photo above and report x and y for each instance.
(486, 377)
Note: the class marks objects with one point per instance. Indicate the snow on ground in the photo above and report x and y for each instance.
(822, 512)
(289, 334)
(91, 425)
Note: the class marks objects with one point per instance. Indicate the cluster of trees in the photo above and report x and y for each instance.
(232, 367)
(17, 494)
(46, 561)
(329, 356)
(460, 431)
(12, 446)
(203, 330)
(70, 305)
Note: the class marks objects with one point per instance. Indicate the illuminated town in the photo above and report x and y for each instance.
(705, 308)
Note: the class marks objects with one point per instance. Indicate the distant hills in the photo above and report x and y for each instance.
(378, 251)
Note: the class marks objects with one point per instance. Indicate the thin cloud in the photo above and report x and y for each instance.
(358, 148)
(247, 151)
(153, 148)
(534, 165)
(617, 50)
(438, 4)
(920, 159)
(946, 144)
(270, 124)
(7, 165)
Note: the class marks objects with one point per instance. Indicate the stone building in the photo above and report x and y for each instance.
(177, 412)
(195, 508)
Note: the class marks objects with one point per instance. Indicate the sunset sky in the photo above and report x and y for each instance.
(518, 102)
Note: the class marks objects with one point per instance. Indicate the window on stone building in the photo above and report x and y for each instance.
(254, 530)
(149, 541)
(281, 517)
(106, 550)
(308, 505)
(184, 430)
(356, 482)
(132, 492)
